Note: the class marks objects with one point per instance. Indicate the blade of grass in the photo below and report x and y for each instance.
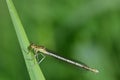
(33, 68)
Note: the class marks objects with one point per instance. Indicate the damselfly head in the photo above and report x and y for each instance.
(32, 46)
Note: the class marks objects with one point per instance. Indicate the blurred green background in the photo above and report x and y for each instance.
(82, 30)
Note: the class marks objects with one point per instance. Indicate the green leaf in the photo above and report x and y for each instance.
(31, 63)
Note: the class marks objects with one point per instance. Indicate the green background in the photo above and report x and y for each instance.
(82, 30)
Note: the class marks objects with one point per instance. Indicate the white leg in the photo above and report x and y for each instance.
(36, 56)
(42, 58)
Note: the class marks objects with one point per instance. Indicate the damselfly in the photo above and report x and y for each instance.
(43, 50)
